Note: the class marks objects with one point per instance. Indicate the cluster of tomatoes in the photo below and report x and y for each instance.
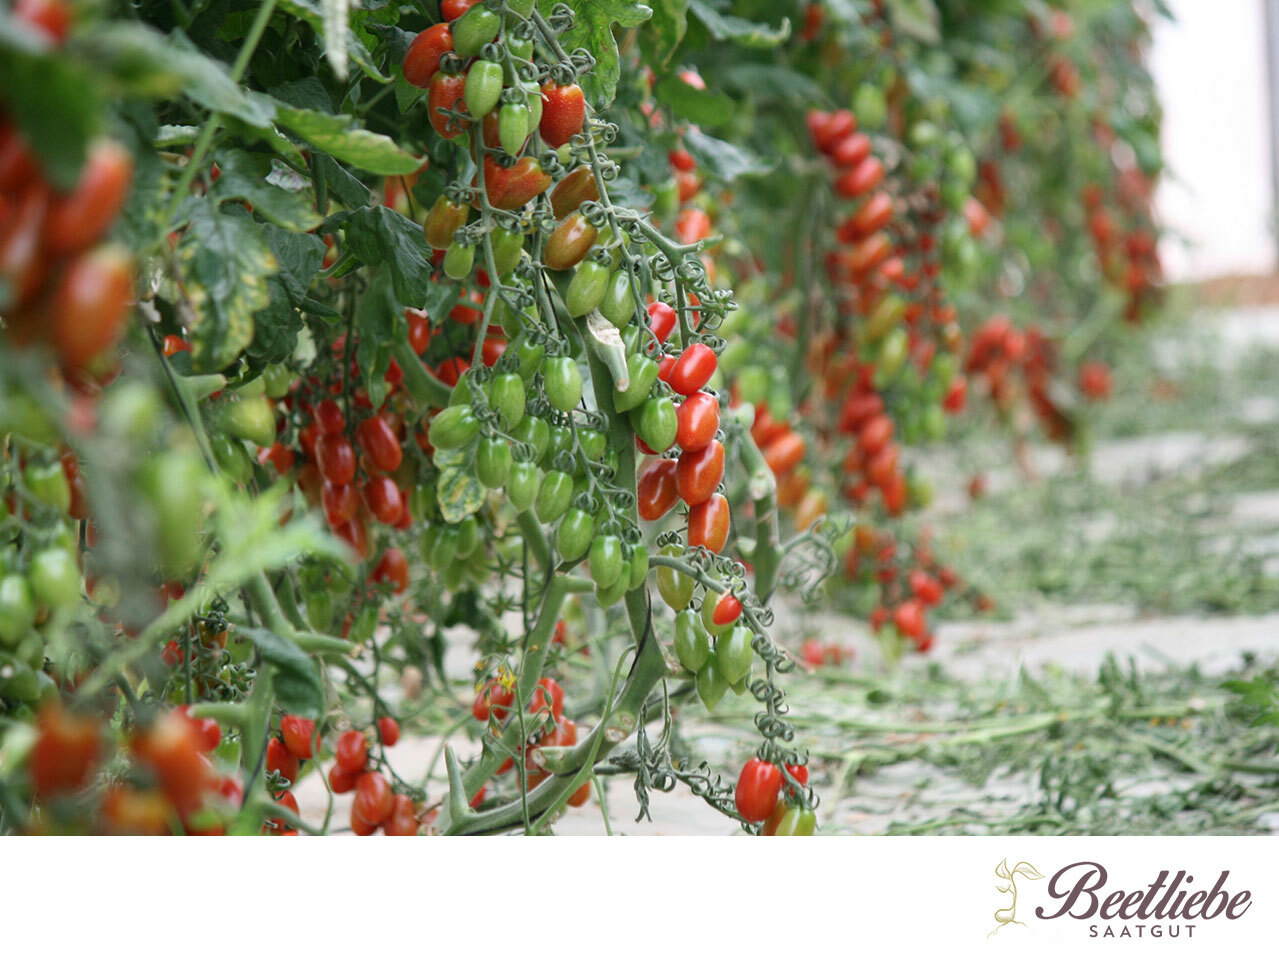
(999, 350)
(376, 803)
(759, 800)
(65, 288)
(1129, 258)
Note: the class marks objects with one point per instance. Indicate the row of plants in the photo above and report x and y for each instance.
(336, 334)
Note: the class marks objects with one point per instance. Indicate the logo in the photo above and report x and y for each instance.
(1007, 885)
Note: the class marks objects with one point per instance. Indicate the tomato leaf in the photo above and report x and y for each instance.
(460, 494)
(726, 26)
(319, 19)
(343, 139)
(57, 108)
(298, 689)
(341, 183)
(376, 235)
(245, 176)
(375, 316)
(664, 31)
(725, 161)
(915, 18)
(704, 107)
(593, 30)
(224, 263)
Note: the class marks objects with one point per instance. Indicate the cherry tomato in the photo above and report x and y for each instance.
(90, 304)
(65, 752)
(393, 567)
(709, 522)
(785, 452)
(526, 180)
(352, 751)
(343, 780)
(379, 442)
(571, 240)
(698, 473)
(281, 760)
(389, 729)
(563, 113)
(656, 489)
(80, 218)
(693, 369)
(382, 496)
(336, 459)
(662, 319)
(299, 735)
(403, 818)
(341, 503)
(575, 189)
(374, 799)
(757, 790)
(423, 57)
(698, 418)
(446, 93)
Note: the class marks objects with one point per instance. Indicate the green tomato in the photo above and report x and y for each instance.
(618, 304)
(17, 609)
(364, 625)
(468, 537)
(870, 106)
(561, 439)
(612, 595)
(250, 418)
(444, 548)
(637, 568)
(573, 537)
(586, 289)
(666, 199)
(692, 644)
(734, 654)
(473, 29)
(128, 409)
(22, 683)
(711, 685)
(48, 483)
(171, 484)
(563, 382)
(319, 609)
(493, 462)
(709, 601)
(277, 379)
(231, 457)
(55, 578)
(796, 822)
(643, 373)
(507, 245)
(675, 588)
(458, 260)
(752, 384)
(533, 432)
(506, 395)
(523, 50)
(593, 443)
(453, 428)
(523, 485)
(606, 562)
(483, 87)
(512, 126)
(531, 356)
(656, 423)
(554, 497)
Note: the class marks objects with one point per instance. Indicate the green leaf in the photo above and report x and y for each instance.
(664, 32)
(340, 137)
(377, 235)
(726, 26)
(703, 107)
(224, 262)
(337, 15)
(915, 18)
(298, 689)
(299, 256)
(345, 187)
(318, 19)
(375, 316)
(150, 64)
(57, 106)
(248, 177)
(460, 494)
(726, 161)
(593, 30)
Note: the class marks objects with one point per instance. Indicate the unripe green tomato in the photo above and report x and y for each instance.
(493, 462)
(460, 394)
(944, 368)
(637, 568)
(919, 490)
(483, 87)
(512, 126)
(507, 245)
(444, 549)
(752, 384)
(554, 497)
(17, 608)
(22, 685)
(962, 165)
(656, 423)
(643, 373)
(455, 576)
(22, 416)
(128, 409)
(631, 338)
(473, 29)
(31, 650)
(586, 289)
(563, 382)
(870, 106)
(319, 609)
(468, 537)
(523, 50)
(277, 379)
(709, 601)
(593, 443)
(675, 588)
(453, 428)
(666, 199)
(533, 432)
(422, 502)
(534, 104)
(364, 625)
(523, 485)
(893, 351)
(606, 561)
(742, 685)
(531, 356)
(171, 487)
(933, 423)
(561, 439)
(48, 483)
(796, 822)
(506, 395)
(924, 134)
(779, 399)
(521, 8)
(612, 595)
(736, 354)
(250, 418)
(507, 318)
(574, 534)
(711, 685)
(55, 578)
(734, 654)
(231, 457)
(618, 304)
(692, 644)
(458, 260)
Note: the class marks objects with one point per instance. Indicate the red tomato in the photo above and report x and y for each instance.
(374, 799)
(862, 178)
(851, 150)
(452, 9)
(169, 747)
(336, 459)
(379, 442)
(299, 735)
(656, 490)
(80, 218)
(383, 498)
(393, 567)
(581, 796)
(359, 825)
(876, 434)
(422, 60)
(446, 91)
(207, 732)
(709, 522)
(927, 589)
(698, 418)
(548, 687)
(403, 818)
(909, 618)
(389, 729)
(661, 320)
(692, 224)
(698, 474)
(693, 369)
(279, 759)
(563, 113)
(90, 304)
(340, 503)
(785, 452)
(65, 752)
(727, 610)
(342, 780)
(419, 329)
(52, 17)
(352, 752)
(451, 370)
(328, 416)
(757, 790)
